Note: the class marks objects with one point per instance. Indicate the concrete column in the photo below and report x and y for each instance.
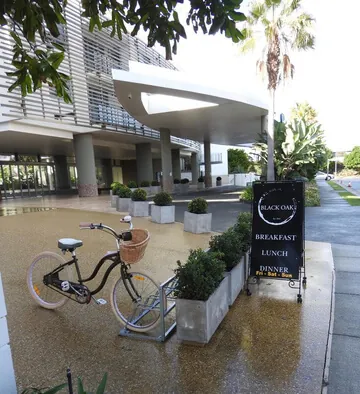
(175, 162)
(62, 175)
(194, 167)
(207, 159)
(166, 168)
(144, 164)
(85, 165)
(107, 171)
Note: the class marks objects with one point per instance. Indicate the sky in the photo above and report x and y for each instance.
(326, 77)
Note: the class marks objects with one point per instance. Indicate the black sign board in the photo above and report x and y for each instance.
(277, 230)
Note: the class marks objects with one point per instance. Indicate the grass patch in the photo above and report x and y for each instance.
(336, 186)
(350, 198)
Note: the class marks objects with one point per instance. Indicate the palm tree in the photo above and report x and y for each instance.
(281, 27)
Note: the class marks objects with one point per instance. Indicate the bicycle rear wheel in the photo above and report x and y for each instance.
(139, 311)
(43, 264)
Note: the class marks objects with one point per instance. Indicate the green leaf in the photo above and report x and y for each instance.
(56, 389)
(58, 46)
(217, 24)
(80, 387)
(237, 16)
(107, 23)
(57, 60)
(102, 386)
(16, 38)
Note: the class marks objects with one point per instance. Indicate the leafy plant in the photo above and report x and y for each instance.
(53, 390)
(198, 205)
(155, 183)
(124, 192)
(184, 181)
(176, 181)
(247, 194)
(238, 161)
(132, 185)
(145, 184)
(162, 199)
(99, 390)
(139, 195)
(200, 276)
(243, 228)
(201, 179)
(115, 187)
(312, 195)
(229, 245)
(352, 160)
(219, 178)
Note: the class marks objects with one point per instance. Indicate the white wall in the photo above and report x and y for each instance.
(217, 169)
(7, 375)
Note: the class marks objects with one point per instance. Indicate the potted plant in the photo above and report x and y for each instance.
(196, 219)
(163, 211)
(113, 192)
(146, 186)
(202, 299)
(176, 185)
(123, 202)
(138, 204)
(218, 181)
(184, 185)
(229, 245)
(132, 185)
(201, 183)
(155, 187)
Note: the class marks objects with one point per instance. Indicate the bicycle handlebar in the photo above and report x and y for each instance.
(100, 226)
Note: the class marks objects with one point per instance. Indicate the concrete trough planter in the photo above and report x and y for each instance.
(113, 201)
(162, 214)
(236, 280)
(139, 208)
(197, 321)
(147, 189)
(176, 187)
(155, 189)
(123, 204)
(184, 187)
(201, 185)
(197, 223)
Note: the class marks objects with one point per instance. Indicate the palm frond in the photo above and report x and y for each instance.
(249, 43)
(257, 10)
(303, 40)
(301, 27)
(261, 69)
(287, 66)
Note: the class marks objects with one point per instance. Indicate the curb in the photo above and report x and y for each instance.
(325, 381)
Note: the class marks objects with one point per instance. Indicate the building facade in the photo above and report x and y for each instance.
(48, 146)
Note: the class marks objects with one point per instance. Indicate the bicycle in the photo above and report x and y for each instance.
(135, 310)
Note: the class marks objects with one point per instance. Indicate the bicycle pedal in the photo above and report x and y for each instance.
(101, 301)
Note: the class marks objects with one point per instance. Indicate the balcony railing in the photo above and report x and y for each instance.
(216, 158)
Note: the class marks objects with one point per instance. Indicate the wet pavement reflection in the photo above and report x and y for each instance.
(20, 210)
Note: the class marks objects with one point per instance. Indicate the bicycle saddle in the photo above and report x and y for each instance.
(69, 244)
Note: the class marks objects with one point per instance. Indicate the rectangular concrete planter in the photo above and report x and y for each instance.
(123, 204)
(147, 189)
(197, 321)
(155, 189)
(236, 280)
(201, 185)
(197, 223)
(139, 208)
(114, 201)
(176, 187)
(184, 188)
(165, 214)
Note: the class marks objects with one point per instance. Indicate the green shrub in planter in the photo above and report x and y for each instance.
(132, 185)
(124, 192)
(162, 199)
(219, 178)
(115, 187)
(230, 247)
(184, 181)
(139, 195)
(176, 181)
(145, 184)
(247, 194)
(200, 276)
(198, 205)
(201, 179)
(243, 228)
(155, 183)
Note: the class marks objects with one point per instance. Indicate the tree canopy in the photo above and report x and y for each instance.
(35, 24)
(238, 161)
(352, 160)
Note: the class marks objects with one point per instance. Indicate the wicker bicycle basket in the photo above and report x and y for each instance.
(133, 251)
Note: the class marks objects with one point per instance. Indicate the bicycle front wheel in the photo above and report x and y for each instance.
(43, 264)
(135, 301)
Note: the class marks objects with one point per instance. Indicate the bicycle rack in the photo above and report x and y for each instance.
(166, 289)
